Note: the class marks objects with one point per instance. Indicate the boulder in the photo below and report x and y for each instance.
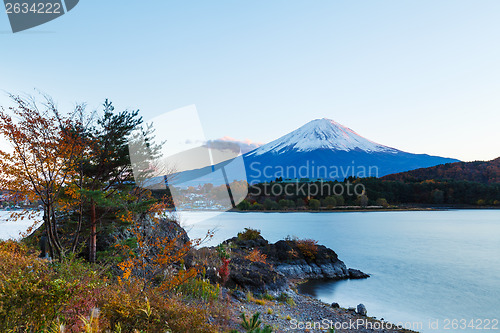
(361, 309)
(335, 305)
(256, 277)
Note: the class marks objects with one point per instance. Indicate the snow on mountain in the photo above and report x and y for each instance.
(322, 134)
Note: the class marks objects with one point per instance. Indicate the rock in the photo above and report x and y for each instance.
(351, 309)
(239, 295)
(335, 305)
(256, 277)
(357, 274)
(361, 309)
(247, 244)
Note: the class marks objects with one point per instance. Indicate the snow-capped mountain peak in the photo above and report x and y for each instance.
(322, 134)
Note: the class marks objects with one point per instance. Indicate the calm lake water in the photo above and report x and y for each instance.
(10, 229)
(428, 267)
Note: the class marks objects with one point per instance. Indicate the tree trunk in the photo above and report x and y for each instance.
(93, 233)
(78, 230)
(49, 233)
(55, 246)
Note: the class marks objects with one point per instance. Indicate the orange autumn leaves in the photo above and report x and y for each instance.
(155, 257)
(45, 148)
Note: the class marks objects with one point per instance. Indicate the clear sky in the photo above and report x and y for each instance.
(421, 76)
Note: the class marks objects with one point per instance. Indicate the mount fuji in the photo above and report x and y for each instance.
(325, 149)
(321, 149)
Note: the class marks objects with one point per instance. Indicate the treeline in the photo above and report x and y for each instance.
(303, 196)
(452, 192)
(368, 192)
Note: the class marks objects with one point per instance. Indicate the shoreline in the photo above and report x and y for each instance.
(309, 314)
(332, 210)
(355, 210)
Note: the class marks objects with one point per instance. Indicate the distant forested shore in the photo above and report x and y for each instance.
(371, 193)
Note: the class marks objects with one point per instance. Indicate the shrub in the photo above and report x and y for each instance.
(268, 297)
(284, 298)
(222, 251)
(256, 256)
(200, 289)
(260, 301)
(36, 294)
(249, 234)
(223, 270)
(308, 247)
(130, 308)
(382, 202)
(251, 298)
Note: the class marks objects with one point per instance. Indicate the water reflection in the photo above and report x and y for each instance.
(323, 288)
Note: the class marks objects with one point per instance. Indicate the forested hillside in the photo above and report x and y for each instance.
(486, 172)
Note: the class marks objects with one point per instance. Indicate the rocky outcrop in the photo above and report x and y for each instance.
(295, 259)
(313, 271)
(357, 274)
(295, 262)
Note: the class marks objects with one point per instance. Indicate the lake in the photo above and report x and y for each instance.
(435, 270)
(427, 267)
(12, 229)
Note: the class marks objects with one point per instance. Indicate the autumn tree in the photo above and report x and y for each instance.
(44, 147)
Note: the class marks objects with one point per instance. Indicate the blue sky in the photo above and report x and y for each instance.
(421, 76)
